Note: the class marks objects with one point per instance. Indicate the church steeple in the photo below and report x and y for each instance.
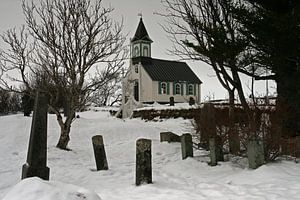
(141, 42)
(141, 33)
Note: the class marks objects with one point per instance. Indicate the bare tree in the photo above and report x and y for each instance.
(16, 59)
(206, 30)
(65, 41)
(109, 93)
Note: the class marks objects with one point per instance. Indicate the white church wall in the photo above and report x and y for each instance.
(177, 98)
(146, 91)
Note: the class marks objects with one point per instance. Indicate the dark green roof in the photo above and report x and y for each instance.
(166, 70)
(141, 33)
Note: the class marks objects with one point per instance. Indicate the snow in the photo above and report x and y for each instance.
(157, 106)
(35, 188)
(173, 178)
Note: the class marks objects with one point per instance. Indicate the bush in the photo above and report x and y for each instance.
(266, 127)
(10, 102)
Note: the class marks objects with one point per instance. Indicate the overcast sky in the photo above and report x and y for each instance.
(11, 16)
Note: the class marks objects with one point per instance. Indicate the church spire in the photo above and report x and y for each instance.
(141, 33)
(141, 42)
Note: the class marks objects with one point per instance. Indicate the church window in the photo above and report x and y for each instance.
(191, 89)
(136, 51)
(164, 88)
(145, 51)
(177, 88)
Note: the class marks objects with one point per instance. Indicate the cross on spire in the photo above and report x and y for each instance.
(140, 14)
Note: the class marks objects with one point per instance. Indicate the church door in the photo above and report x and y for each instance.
(136, 90)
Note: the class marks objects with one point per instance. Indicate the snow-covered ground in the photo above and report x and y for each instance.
(173, 178)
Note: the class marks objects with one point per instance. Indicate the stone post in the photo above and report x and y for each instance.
(216, 150)
(172, 102)
(99, 152)
(186, 146)
(255, 152)
(191, 101)
(37, 148)
(143, 162)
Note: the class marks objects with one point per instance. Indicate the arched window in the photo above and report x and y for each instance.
(164, 88)
(136, 51)
(177, 88)
(145, 51)
(191, 89)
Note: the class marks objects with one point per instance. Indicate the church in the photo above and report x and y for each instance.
(151, 80)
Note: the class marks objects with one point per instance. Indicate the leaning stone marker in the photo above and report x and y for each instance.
(186, 146)
(143, 162)
(37, 148)
(169, 137)
(255, 151)
(99, 152)
(164, 136)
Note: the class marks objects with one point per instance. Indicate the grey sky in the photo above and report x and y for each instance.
(11, 16)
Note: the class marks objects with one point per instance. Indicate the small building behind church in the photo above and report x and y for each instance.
(151, 80)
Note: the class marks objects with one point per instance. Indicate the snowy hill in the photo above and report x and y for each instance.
(173, 178)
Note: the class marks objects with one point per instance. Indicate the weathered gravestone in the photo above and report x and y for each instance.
(143, 162)
(216, 151)
(37, 148)
(186, 146)
(191, 101)
(255, 152)
(169, 137)
(99, 152)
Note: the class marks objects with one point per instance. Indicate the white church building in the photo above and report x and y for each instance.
(151, 80)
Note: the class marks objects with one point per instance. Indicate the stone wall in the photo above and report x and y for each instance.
(167, 113)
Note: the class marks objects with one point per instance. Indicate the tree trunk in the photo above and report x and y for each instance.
(252, 132)
(64, 138)
(65, 128)
(288, 101)
(233, 135)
